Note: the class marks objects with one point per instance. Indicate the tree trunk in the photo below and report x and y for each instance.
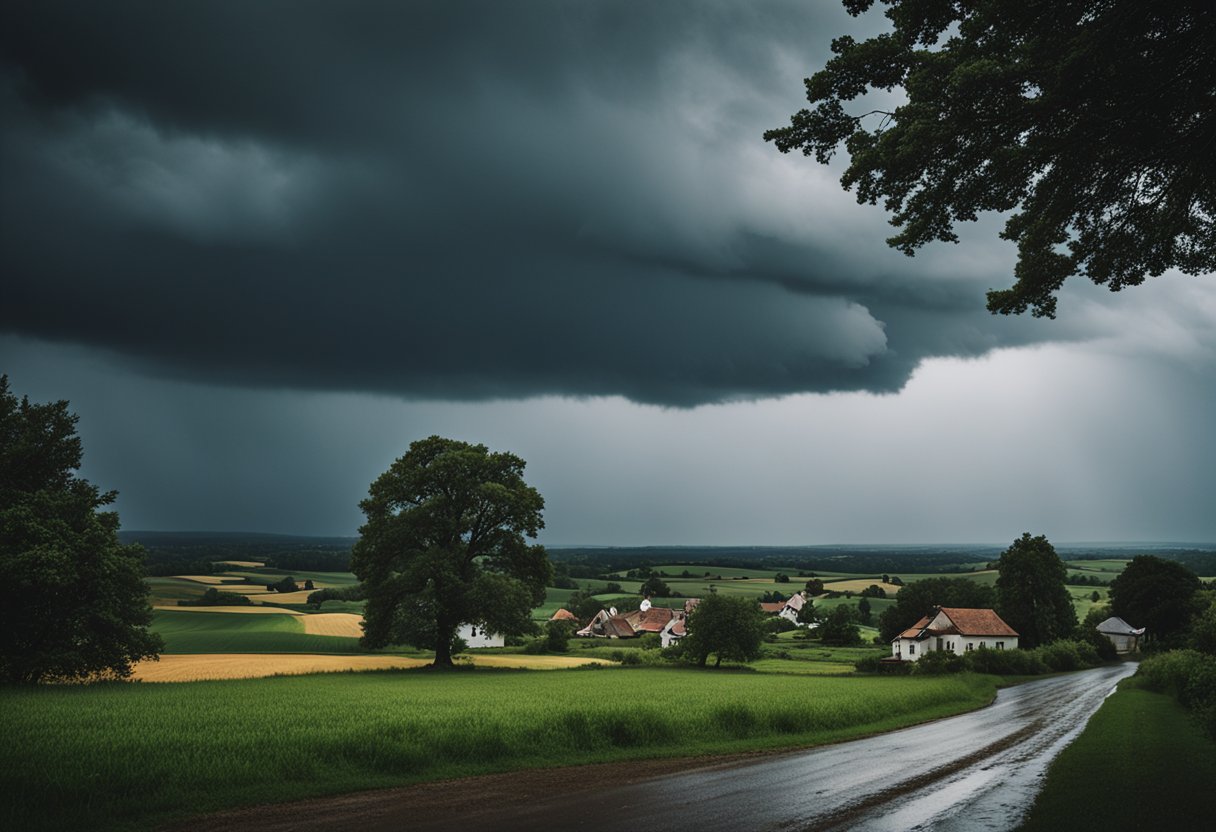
(718, 663)
(443, 648)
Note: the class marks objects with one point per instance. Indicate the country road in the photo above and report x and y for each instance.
(972, 773)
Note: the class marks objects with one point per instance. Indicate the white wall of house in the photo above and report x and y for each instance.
(911, 650)
(1123, 643)
(478, 637)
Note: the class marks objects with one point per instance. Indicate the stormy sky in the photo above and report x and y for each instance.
(261, 247)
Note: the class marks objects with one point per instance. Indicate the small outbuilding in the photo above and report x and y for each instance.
(563, 614)
(1124, 636)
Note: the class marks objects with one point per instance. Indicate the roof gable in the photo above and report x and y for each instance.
(973, 622)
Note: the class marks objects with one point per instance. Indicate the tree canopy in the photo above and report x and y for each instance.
(445, 545)
(1092, 121)
(1031, 595)
(730, 627)
(76, 604)
(1156, 594)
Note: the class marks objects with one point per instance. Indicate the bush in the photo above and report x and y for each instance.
(1061, 655)
(650, 641)
(937, 662)
(1006, 662)
(1189, 676)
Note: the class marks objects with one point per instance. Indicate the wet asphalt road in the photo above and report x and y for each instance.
(970, 773)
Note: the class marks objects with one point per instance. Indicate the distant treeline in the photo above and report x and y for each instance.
(591, 562)
(189, 553)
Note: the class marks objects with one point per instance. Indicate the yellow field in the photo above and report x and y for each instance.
(533, 662)
(859, 584)
(246, 564)
(300, 597)
(334, 624)
(204, 579)
(249, 609)
(202, 666)
(243, 589)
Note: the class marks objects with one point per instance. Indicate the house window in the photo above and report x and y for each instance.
(970, 646)
(983, 644)
(1000, 645)
(911, 649)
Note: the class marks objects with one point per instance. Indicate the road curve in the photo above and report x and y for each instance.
(978, 771)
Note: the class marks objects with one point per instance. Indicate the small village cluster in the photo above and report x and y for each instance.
(668, 623)
(949, 629)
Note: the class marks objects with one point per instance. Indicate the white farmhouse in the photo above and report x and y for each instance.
(1124, 636)
(954, 630)
(476, 636)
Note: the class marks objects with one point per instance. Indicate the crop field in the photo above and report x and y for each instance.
(241, 632)
(127, 756)
(244, 564)
(247, 609)
(858, 584)
(195, 667)
(983, 576)
(1112, 567)
(344, 624)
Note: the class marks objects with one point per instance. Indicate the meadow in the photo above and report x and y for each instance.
(127, 756)
(197, 631)
(1141, 763)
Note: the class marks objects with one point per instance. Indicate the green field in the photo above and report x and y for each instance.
(1141, 763)
(130, 755)
(238, 632)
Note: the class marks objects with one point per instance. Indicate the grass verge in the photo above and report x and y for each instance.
(1141, 763)
(125, 756)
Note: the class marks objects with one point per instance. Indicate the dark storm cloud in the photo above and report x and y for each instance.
(455, 200)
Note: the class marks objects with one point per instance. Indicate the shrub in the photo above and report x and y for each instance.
(937, 662)
(650, 641)
(1188, 675)
(1006, 662)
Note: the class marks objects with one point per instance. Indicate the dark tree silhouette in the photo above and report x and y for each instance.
(1031, 595)
(76, 604)
(1091, 120)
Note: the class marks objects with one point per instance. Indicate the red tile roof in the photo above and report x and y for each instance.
(963, 621)
(563, 615)
(774, 608)
(651, 621)
(978, 622)
(619, 627)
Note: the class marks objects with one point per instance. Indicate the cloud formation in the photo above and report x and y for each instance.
(458, 200)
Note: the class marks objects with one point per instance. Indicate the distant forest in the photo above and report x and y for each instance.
(195, 553)
(177, 553)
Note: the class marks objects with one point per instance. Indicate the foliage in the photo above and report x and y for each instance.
(1087, 631)
(1088, 118)
(583, 605)
(808, 615)
(918, 599)
(939, 662)
(287, 584)
(76, 605)
(1203, 626)
(839, 627)
(444, 545)
(354, 592)
(1006, 662)
(1155, 594)
(814, 587)
(178, 741)
(214, 598)
(731, 628)
(1031, 595)
(873, 591)
(863, 610)
(655, 587)
(1189, 676)
(781, 578)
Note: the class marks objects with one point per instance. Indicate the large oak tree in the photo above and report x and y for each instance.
(445, 544)
(1093, 121)
(1031, 594)
(75, 601)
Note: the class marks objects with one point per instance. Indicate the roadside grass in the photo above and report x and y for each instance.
(234, 632)
(128, 756)
(1141, 763)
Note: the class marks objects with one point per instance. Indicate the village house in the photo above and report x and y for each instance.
(954, 630)
(787, 609)
(1124, 636)
(676, 628)
(607, 624)
(475, 636)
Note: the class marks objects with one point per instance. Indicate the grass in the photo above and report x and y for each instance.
(127, 756)
(224, 632)
(1141, 763)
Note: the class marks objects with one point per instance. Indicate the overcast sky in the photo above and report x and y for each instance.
(263, 247)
